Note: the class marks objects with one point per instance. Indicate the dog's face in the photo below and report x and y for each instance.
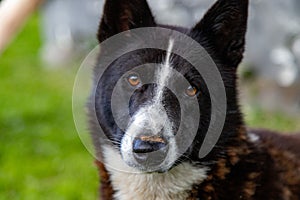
(148, 142)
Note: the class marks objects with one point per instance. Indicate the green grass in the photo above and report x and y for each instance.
(41, 156)
(257, 118)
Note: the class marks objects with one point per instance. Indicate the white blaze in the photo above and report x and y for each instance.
(153, 117)
(164, 73)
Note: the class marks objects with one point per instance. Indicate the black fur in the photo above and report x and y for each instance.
(240, 169)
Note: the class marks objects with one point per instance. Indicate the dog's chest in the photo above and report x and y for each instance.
(176, 184)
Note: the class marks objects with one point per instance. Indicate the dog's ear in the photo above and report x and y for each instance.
(123, 15)
(224, 28)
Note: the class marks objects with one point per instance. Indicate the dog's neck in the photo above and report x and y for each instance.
(120, 182)
(127, 184)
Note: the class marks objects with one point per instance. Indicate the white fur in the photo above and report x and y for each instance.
(131, 184)
(253, 137)
(152, 118)
(164, 73)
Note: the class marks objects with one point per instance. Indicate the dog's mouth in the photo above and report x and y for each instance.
(149, 153)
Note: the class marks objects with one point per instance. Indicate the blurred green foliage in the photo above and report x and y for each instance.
(41, 156)
(258, 118)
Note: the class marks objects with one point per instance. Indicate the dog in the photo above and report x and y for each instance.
(243, 164)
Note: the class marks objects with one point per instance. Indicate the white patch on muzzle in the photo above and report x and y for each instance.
(152, 118)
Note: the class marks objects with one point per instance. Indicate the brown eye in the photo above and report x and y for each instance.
(133, 80)
(191, 91)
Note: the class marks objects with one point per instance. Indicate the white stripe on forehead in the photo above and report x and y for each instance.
(164, 72)
(153, 117)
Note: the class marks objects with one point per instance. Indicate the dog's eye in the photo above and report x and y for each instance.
(133, 80)
(191, 91)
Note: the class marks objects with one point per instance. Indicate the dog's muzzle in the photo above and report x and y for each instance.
(149, 151)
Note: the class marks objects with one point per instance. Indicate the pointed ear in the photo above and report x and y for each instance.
(123, 15)
(224, 28)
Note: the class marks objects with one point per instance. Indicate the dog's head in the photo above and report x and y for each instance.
(147, 142)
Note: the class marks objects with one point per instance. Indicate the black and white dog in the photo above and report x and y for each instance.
(244, 164)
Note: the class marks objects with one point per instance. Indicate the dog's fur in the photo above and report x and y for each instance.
(244, 164)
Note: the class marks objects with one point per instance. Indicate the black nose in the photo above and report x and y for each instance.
(150, 150)
(148, 144)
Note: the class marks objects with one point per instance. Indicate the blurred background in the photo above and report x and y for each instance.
(41, 48)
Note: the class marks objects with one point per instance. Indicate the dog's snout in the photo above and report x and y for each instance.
(150, 151)
(148, 144)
